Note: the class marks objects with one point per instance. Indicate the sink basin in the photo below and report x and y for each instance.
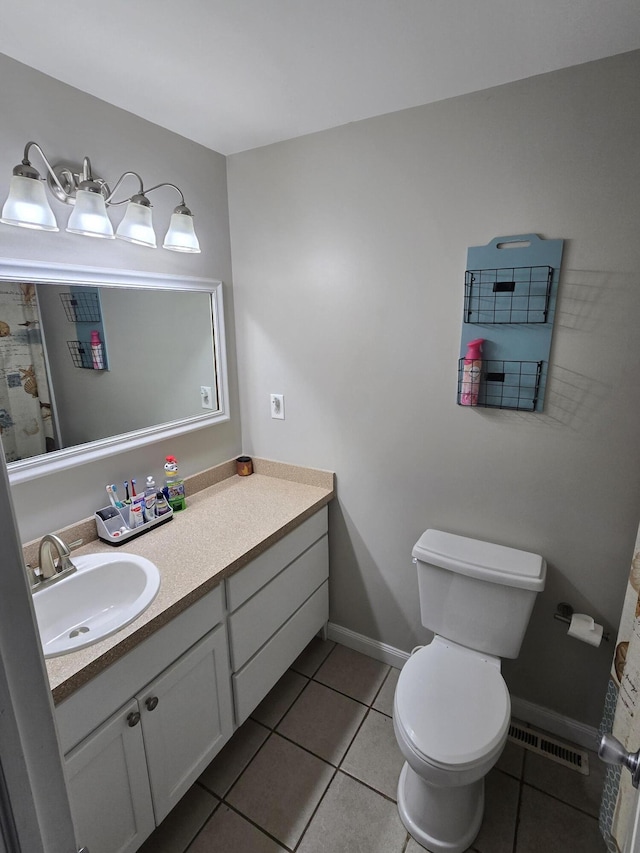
(106, 593)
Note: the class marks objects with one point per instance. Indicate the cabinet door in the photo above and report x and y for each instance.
(186, 719)
(108, 786)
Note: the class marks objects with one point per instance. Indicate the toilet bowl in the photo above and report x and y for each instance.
(451, 718)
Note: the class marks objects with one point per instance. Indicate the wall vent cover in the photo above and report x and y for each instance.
(556, 750)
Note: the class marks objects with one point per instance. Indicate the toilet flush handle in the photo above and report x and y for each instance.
(611, 751)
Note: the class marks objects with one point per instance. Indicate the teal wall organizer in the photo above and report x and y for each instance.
(510, 292)
(83, 308)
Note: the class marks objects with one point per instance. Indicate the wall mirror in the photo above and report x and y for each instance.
(159, 369)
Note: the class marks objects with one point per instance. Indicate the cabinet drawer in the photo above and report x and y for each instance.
(258, 676)
(252, 624)
(89, 706)
(266, 566)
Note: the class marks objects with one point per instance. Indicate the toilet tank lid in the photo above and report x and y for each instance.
(474, 558)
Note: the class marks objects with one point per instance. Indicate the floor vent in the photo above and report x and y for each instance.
(556, 750)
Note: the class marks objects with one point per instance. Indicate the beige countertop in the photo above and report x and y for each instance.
(224, 526)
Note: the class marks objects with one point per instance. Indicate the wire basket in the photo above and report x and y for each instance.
(506, 384)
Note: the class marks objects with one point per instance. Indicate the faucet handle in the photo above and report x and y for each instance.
(35, 575)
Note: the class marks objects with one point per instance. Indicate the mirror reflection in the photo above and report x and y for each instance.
(155, 363)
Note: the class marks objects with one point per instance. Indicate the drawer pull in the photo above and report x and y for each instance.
(151, 703)
(133, 718)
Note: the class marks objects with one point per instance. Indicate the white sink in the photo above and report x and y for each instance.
(106, 593)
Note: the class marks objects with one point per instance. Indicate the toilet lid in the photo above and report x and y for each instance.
(452, 703)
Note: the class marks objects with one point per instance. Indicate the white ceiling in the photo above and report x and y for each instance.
(237, 74)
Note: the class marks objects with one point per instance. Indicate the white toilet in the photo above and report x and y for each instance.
(452, 709)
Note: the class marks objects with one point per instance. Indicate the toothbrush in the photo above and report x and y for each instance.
(114, 492)
(127, 499)
(133, 488)
(111, 497)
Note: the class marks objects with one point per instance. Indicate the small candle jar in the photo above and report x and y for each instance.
(244, 466)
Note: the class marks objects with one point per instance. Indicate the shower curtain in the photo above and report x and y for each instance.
(25, 407)
(622, 713)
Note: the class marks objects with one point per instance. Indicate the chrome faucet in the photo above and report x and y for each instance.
(47, 567)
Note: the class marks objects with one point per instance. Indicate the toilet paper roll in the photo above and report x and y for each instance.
(583, 628)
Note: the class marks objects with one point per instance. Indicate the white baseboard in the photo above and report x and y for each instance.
(555, 723)
(523, 710)
(372, 648)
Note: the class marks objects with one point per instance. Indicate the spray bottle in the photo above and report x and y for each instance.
(471, 371)
(97, 355)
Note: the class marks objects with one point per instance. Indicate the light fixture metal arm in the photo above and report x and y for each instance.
(166, 184)
(141, 190)
(27, 164)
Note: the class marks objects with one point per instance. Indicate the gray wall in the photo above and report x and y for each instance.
(69, 124)
(349, 249)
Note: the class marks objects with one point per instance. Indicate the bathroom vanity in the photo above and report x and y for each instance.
(244, 589)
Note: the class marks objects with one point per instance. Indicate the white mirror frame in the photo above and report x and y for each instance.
(37, 272)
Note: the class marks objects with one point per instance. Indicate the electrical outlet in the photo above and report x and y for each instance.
(205, 397)
(277, 406)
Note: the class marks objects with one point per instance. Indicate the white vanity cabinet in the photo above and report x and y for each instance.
(277, 603)
(126, 775)
(138, 735)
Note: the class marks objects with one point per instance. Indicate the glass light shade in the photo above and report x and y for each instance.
(89, 216)
(27, 205)
(181, 236)
(136, 226)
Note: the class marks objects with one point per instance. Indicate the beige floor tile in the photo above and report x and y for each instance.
(228, 832)
(278, 701)
(374, 757)
(182, 823)
(384, 699)
(308, 662)
(354, 819)
(352, 673)
(233, 758)
(512, 759)
(281, 788)
(548, 825)
(567, 785)
(323, 721)
(498, 828)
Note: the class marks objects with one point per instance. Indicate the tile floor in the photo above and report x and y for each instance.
(314, 770)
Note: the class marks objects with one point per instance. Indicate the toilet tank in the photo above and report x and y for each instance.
(475, 593)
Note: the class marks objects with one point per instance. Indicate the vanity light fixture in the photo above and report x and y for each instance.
(27, 205)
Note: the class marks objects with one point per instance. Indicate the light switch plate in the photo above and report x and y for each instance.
(205, 397)
(277, 406)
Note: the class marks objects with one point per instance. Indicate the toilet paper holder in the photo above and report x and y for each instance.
(565, 611)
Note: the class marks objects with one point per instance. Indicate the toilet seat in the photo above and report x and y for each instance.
(452, 705)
